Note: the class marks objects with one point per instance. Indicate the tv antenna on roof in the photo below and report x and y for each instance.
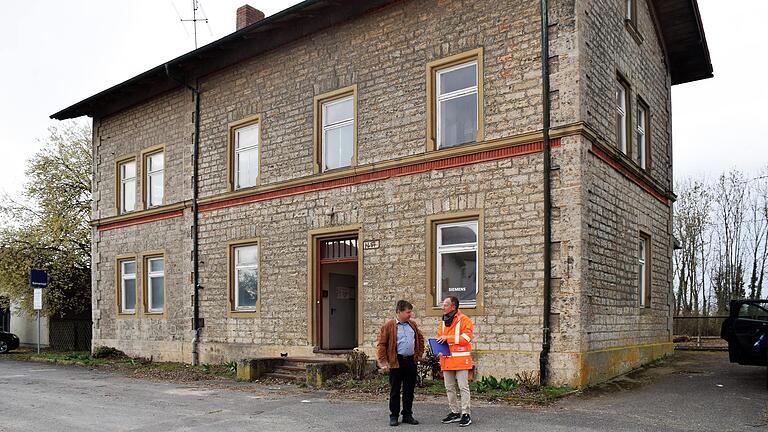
(195, 6)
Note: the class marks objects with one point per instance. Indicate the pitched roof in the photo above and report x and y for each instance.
(679, 20)
(683, 37)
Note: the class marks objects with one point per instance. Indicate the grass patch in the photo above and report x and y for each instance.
(110, 359)
(487, 389)
(83, 358)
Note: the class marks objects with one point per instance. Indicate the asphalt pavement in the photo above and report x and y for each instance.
(693, 392)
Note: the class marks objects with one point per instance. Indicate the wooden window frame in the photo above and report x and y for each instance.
(628, 132)
(317, 121)
(431, 265)
(118, 184)
(646, 146)
(231, 160)
(145, 154)
(431, 112)
(119, 260)
(644, 290)
(145, 257)
(231, 274)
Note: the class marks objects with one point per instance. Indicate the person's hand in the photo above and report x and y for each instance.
(442, 339)
(384, 370)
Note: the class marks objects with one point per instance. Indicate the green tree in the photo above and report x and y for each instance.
(48, 225)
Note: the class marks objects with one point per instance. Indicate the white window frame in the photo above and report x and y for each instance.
(237, 268)
(153, 174)
(642, 253)
(439, 97)
(238, 151)
(327, 127)
(124, 185)
(440, 249)
(621, 110)
(151, 275)
(124, 276)
(642, 139)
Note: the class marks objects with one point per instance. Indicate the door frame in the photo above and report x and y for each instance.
(314, 237)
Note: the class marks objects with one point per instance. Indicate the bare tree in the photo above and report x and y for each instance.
(729, 201)
(691, 225)
(758, 233)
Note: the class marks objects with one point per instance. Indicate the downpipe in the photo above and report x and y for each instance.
(195, 214)
(545, 90)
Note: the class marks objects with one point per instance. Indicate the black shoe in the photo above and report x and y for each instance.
(465, 420)
(410, 420)
(452, 418)
(393, 421)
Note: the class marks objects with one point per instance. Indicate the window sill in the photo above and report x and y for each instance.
(139, 213)
(154, 315)
(471, 311)
(254, 313)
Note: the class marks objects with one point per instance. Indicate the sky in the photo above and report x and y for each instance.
(56, 53)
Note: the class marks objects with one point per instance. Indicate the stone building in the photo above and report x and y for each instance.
(355, 153)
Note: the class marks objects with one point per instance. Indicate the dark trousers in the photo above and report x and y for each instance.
(405, 377)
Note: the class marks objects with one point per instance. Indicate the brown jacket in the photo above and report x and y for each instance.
(386, 348)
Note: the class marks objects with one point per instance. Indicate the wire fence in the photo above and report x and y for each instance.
(70, 334)
(698, 331)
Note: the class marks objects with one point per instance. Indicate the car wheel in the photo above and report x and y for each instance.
(3, 347)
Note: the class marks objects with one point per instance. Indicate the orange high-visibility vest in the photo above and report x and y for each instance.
(459, 342)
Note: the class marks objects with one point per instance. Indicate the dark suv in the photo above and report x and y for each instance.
(746, 330)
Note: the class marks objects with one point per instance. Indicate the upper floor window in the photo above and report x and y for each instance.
(246, 156)
(155, 293)
(641, 135)
(455, 98)
(154, 181)
(622, 119)
(127, 280)
(336, 129)
(127, 186)
(643, 269)
(457, 105)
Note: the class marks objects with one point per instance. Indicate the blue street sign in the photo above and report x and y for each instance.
(38, 278)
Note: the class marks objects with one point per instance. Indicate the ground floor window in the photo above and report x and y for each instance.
(456, 260)
(127, 281)
(244, 276)
(643, 269)
(155, 293)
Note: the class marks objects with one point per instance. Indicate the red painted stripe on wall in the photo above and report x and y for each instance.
(141, 220)
(628, 174)
(416, 168)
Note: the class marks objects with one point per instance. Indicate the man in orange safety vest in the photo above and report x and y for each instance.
(456, 330)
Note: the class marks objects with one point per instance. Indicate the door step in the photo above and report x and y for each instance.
(285, 376)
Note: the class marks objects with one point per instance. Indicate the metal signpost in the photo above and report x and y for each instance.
(38, 279)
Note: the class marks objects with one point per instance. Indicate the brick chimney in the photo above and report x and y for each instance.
(247, 15)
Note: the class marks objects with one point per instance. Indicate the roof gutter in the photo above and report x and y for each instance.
(195, 213)
(545, 90)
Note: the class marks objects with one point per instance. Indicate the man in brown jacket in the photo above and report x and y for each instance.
(399, 349)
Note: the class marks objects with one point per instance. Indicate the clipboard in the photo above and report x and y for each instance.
(439, 348)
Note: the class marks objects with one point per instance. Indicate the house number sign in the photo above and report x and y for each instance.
(371, 244)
